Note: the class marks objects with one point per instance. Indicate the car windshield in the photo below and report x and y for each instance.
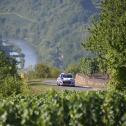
(67, 76)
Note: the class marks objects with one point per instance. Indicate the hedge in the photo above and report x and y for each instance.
(65, 109)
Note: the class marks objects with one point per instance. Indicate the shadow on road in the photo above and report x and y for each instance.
(82, 86)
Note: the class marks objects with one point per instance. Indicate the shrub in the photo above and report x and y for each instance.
(107, 40)
(12, 85)
(31, 74)
(54, 72)
(43, 71)
(65, 108)
(114, 109)
(89, 66)
(73, 68)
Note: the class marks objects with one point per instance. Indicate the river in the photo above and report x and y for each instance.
(31, 57)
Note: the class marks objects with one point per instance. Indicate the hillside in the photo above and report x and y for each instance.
(55, 28)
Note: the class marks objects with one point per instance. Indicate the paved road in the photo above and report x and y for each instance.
(76, 88)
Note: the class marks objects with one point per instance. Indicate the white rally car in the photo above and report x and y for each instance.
(65, 80)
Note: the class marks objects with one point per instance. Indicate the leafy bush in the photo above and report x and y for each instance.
(54, 72)
(65, 108)
(73, 68)
(30, 74)
(89, 66)
(114, 109)
(43, 71)
(108, 40)
(12, 85)
(7, 65)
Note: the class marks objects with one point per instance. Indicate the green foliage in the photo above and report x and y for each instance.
(31, 74)
(118, 79)
(65, 108)
(114, 109)
(11, 85)
(55, 28)
(108, 40)
(43, 71)
(7, 66)
(10, 82)
(73, 68)
(89, 66)
(54, 72)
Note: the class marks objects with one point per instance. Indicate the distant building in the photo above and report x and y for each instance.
(9, 50)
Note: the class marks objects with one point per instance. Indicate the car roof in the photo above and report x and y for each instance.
(65, 74)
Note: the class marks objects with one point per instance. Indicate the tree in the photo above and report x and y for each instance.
(73, 68)
(42, 71)
(7, 66)
(54, 72)
(108, 41)
(10, 82)
(89, 66)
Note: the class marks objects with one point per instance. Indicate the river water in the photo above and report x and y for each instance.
(31, 57)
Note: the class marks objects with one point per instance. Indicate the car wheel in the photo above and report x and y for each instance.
(58, 84)
(73, 85)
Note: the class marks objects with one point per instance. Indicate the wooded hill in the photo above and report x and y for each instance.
(55, 28)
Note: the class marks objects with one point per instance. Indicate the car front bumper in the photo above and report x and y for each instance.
(68, 83)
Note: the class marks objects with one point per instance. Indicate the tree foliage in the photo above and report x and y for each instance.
(43, 71)
(11, 85)
(10, 82)
(55, 28)
(108, 40)
(73, 68)
(89, 66)
(7, 66)
(65, 109)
